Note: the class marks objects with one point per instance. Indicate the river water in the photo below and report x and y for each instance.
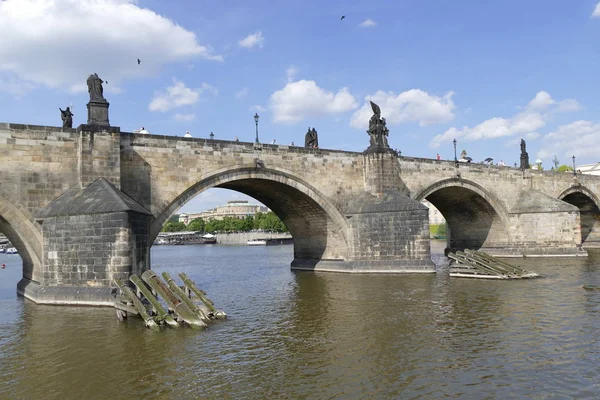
(304, 335)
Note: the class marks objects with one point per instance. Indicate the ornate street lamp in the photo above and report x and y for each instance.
(256, 121)
(455, 159)
(574, 171)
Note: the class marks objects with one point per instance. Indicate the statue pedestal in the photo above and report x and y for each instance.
(376, 148)
(98, 113)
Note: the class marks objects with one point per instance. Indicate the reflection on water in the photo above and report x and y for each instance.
(317, 335)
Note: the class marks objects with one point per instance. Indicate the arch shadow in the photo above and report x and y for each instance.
(317, 226)
(18, 226)
(589, 212)
(476, 219)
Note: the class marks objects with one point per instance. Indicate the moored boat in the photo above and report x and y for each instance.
(11, 250)
(257, 242)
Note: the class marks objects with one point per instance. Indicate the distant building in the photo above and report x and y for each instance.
(235, 208)
(435, 216)
(589, 169)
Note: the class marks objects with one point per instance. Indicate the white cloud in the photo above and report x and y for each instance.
(242, 93)
(596, 12)
(367, 23)
(517, 141)
(303, 99)
(15, 86)
(58, 43)
(291, 73)
(413, 105)
(543, 101)
(209, 88)
(252, 40)
(257, 108)
(579, 138)
(534, 116)
(178, 95)
(184, 117)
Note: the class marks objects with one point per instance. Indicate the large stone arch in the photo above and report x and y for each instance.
(18, 226)
(318, 227)
(589, 212)
(476, 218)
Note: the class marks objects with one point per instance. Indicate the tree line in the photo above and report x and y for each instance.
(265, 221)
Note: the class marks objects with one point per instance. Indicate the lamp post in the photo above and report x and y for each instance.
(256, 121)
(574, 171)
(455, 159)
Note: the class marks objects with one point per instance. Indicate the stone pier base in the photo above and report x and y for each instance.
(67, 295)
(365, 267)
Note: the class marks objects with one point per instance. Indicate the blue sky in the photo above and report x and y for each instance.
(487, 73)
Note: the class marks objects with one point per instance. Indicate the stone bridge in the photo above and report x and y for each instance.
(84, 205)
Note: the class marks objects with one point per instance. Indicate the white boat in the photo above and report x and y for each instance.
(257, 242)
(11, 250)
(2, 250)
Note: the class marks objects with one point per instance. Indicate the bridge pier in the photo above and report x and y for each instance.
(93, 232)
(389, 230)
(542, 226)
(90, 236)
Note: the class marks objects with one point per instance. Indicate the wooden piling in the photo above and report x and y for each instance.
(163, 315)
(190, 285)
(202, 313)
(137, 305)
(475, 264)
(180, 308)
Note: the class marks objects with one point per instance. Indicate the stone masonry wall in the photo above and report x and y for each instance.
(86, 250)
(545, 233)
(38, 163)
(99, 154)
(139, 230)
(410, 240)
(156, 169)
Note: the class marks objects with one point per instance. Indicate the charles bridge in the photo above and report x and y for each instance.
(83, 206)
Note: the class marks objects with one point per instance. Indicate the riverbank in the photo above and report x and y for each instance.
(243, 237)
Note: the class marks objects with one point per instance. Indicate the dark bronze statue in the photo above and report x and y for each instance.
(67, 117)
(378, 132)
(524, 156)
(311, 139)
(95, 90)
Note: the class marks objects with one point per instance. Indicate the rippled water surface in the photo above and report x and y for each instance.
(303, 335)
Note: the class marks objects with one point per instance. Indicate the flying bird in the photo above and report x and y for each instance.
(343, 16)
(139, 61)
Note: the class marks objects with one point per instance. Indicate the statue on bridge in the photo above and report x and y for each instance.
(98, 106)
(95, 89)
(524, 157)
(311, 139)
(378, 132)
(67, 117)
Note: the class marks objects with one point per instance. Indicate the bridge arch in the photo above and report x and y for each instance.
(25, 236)
(476, 219)
(589, 212)
(318, 227)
